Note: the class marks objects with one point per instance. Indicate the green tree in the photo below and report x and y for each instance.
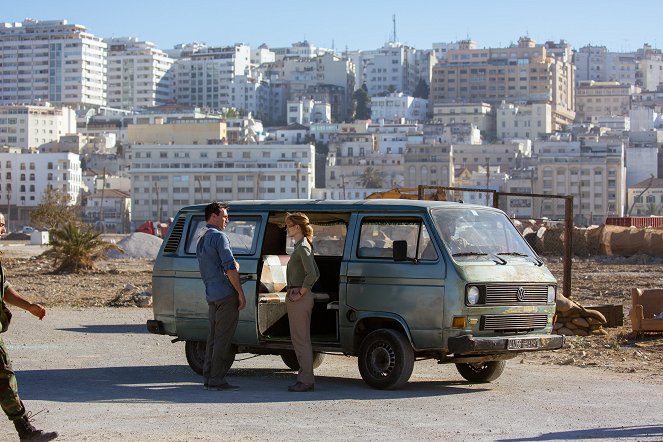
(362, 103)
(55, 210)
(76, 247)
(371, 178)
(422, 90)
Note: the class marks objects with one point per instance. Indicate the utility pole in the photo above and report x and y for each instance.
(101, 206)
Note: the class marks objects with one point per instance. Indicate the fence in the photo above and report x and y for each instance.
(545, 221)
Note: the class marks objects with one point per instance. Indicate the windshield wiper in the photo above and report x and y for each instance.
(538, 262)
(497, 259)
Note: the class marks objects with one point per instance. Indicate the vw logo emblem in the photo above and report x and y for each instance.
(520, 294)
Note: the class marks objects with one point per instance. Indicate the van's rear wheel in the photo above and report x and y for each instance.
(290, 359)
(386, 359)
(481, 372)
(195, 355)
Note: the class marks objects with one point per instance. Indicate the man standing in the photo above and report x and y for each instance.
(225, 297)
(9, 400)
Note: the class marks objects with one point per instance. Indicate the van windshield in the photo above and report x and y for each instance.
(484, 235)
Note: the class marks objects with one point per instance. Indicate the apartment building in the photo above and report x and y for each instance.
(643, 156)
(138, 74)
(25, 177)
(428, 165)
(164, 178)
(646, 198)
(51, 61)
(399, 108)
(527, 121)
(525, 72)
(300, 49)
(179, 131)
(479, 114)
(203, 76)
(603, 98)
(109, 210)
(592, 170)
(507, 155)
(29, 127)
(307, 111)
(643, 68)
(394, 67)
(326, 78)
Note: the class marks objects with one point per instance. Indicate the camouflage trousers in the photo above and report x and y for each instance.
(9, 400)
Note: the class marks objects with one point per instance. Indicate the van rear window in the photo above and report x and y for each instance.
(242, 233)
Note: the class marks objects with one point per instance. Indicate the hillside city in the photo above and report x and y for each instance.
(132, 132)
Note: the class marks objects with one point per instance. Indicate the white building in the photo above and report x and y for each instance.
(393, 138)
(523, 121)
(397, 107)
(25, 177)
(204, 76)
(307, 111)
(164, 178)
(598, 64)
(138, 74)
(51, 61)
(394, 67)
(29, 127)
(108, 210)
(301, 49)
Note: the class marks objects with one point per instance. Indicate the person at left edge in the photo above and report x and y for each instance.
(9, 399)
(224, 294)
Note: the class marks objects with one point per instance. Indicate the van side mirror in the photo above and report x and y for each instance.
(400, 250)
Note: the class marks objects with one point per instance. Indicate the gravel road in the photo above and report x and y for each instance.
(102, 377)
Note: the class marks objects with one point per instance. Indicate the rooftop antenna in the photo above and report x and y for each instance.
(393, 17)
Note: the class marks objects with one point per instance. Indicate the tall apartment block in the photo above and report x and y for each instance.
(51, 61)
(523, 73)
(138, 74)
(203, 76)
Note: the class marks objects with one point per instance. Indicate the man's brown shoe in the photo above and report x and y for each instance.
(301, 387)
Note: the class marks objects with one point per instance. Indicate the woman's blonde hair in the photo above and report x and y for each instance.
(301, 220)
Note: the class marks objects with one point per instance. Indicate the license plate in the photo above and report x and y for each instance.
(522, 344)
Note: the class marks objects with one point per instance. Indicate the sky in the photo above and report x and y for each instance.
(360, 24)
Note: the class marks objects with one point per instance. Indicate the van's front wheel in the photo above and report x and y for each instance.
(481, 372)
(290, 359)
(386, 359)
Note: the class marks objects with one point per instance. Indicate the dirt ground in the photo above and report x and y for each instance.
(595, 281)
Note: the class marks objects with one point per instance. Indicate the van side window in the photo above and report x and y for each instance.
(328, 238)
(242, 233)
(377, 236)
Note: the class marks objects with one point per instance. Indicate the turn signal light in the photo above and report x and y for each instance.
(459, 322)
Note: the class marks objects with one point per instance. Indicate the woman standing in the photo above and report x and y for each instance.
(301, 274)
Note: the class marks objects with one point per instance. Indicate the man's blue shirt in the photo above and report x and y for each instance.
(215, 258)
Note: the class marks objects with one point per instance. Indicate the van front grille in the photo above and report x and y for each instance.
(508, 294)
(175, 236)
(513, 322)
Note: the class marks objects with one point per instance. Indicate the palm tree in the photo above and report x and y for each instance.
(75, 248)
(371, 178)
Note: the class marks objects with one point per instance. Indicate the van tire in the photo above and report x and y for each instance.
(195, 355)
(481, 372)
(385, 359)
(290, 359)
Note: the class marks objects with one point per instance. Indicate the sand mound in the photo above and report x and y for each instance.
(137, 245)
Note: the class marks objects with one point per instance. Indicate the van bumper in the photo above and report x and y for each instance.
(156, 327)
(468, 345)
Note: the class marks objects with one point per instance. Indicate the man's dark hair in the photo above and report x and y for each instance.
(214, 208)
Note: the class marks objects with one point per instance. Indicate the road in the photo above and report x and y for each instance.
(101, 377)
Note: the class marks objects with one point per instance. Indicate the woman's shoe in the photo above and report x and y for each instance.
(301, 387)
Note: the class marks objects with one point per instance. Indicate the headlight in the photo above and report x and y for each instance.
(472, 295)
(551, 294)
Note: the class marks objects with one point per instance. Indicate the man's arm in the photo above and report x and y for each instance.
(13, 298)
(233, 277)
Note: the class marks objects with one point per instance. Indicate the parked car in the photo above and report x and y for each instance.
(27, 230)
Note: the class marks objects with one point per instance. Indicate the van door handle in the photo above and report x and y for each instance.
(356, 279)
